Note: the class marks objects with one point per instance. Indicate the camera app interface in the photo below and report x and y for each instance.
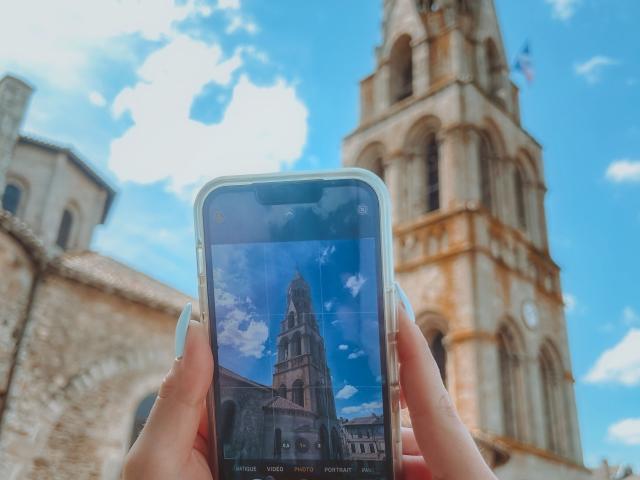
(299, 352)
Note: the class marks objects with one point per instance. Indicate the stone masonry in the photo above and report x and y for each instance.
(440, 124)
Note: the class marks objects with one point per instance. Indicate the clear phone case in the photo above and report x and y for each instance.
(386, 239)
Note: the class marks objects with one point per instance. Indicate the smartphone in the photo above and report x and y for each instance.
(297, 292)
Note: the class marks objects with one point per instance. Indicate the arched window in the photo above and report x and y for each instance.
(439, 352)
(494, 69)
(433, 174)
(486, 174)
(511, 384)
(291, 319)
(282, 391)
(401, 64)
(372, 158)
(277, 443)
(228, 416)
(521, 206)
(64, 233)
(11, 198)
(141, 415)
(464, 7)
(283, 353)
(296, 345)
(297, 393)
(557, 424)
(377, 167)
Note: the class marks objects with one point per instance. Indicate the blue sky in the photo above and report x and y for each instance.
(158, 96)
(251, 283)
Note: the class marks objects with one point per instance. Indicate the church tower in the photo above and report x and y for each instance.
(301, 374)
(440, 124)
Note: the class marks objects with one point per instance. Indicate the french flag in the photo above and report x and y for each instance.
(524, 64)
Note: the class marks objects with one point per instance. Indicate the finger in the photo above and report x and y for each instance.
(409, 444)
(202, 439)
(203, 427)
(171, 431)
(442, 438)
(415, 468)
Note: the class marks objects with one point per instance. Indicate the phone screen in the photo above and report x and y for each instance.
(297, 331)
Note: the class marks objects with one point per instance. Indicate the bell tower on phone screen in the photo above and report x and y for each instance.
(301, 373)
(440, 124)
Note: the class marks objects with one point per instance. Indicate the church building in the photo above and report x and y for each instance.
(440, 124)
(295, 418)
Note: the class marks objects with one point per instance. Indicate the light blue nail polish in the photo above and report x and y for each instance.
(405, 301)
(181, 329)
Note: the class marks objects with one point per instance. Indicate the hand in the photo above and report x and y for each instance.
(439, 446)
(173, 443)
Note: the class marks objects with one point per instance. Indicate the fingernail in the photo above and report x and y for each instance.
(181, 330)
(405, 303)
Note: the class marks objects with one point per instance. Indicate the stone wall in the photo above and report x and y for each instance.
(17, 272)
(88, 356)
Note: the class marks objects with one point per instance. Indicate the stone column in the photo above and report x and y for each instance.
(395, 178)
(457, 168)
(421, 72)
(382, 98)
(537, 421)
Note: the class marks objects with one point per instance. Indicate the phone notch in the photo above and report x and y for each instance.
(280, 193)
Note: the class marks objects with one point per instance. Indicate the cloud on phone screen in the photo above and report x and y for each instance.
(354, 284)
(346, 392)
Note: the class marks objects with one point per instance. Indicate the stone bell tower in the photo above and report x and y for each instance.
(440, 124)
(301, 373)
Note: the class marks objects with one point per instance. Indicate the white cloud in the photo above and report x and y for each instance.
(366, 407)
(624, 170)
(228, 4)
(570, 302)
(620, 364)
(328, 305)
(246, 335)
(354, 355)
(563, 9)
(97, 99)
(343, 347)
(591, 69)
(262, 129)
(346, 392)
(238, 328)
(238, 22)
(59, 40)
(626, 431)
(253, 52)
(354, 283)
(325, 254)
(630, 316)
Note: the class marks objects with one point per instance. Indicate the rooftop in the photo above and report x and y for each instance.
(81, 164)
(109, 275)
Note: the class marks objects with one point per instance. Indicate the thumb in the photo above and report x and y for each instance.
(169, 435)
